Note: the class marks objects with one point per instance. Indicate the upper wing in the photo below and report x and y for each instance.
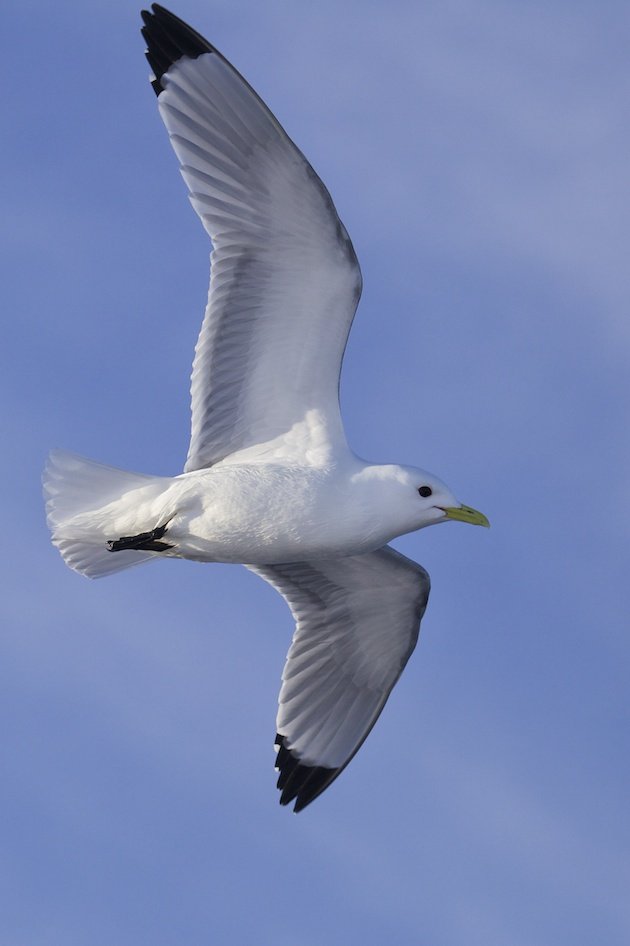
(357, 623)
(285, 279)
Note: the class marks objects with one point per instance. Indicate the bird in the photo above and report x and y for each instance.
(270, 481)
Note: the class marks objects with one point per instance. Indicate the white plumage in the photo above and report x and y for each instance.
(270, 480)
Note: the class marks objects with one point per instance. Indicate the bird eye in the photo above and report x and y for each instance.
(425, 491)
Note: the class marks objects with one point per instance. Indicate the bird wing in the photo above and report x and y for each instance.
(285, 279)
(357, 623)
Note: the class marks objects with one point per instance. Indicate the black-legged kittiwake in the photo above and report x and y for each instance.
(270, 481)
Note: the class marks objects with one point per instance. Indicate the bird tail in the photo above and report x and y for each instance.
(83, 498)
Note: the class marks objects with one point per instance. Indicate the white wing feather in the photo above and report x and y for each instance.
(357, 623)
(285, 280)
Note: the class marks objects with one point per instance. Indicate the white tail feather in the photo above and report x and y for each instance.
(78, 492)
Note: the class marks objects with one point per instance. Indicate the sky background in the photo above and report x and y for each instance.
(478, 153)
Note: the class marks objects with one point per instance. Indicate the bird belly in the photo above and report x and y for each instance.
(266, 516)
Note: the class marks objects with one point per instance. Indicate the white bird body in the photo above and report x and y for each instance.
(236, 511)
(269, 481)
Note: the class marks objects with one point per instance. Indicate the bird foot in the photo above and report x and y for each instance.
(144, 541)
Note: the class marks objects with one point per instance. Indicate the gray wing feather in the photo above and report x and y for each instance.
(357, 623)
(285, 279)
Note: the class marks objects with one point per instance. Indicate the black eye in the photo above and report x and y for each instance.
(425, 491)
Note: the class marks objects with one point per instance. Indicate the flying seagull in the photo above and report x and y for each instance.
(269, 481)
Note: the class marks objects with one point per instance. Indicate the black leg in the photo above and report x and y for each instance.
(144, 541)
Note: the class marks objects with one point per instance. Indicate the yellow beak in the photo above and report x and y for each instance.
(466, 514)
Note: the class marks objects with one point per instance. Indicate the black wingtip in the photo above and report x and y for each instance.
(168, 39)
(298, 781)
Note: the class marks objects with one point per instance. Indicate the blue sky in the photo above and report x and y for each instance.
(478, 155)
